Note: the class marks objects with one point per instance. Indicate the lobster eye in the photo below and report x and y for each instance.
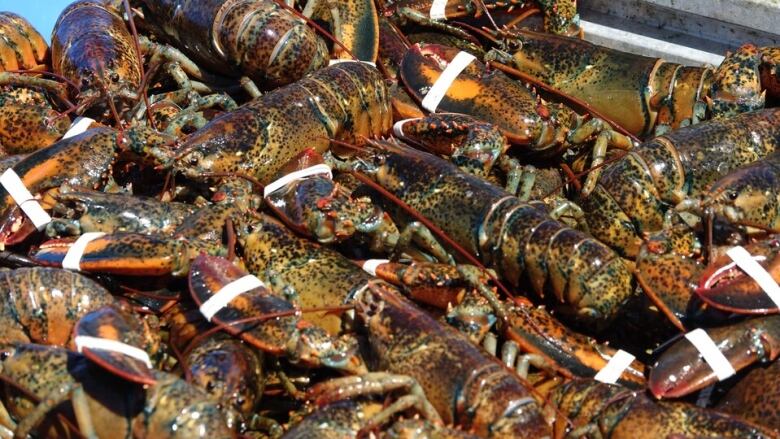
(114, 77)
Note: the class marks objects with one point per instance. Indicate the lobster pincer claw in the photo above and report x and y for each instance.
(123, 253)
(723, 285)
(474, 145)
(681, 370)
(245, 307)
(117, 342)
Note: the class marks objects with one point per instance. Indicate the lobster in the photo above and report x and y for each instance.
(40, 378)
(633, 195)
(27, 119)
(228, 369)
(85, 211)
(544, 130)
(647, 94)
(507, 235)
(346, 101)
(95, 52)
(595, 409)
(356, 415)
(265, 41)
(300, 340)
(86, 28)
(316, 206)
(746, 198)
(84, 160)
(491, 400)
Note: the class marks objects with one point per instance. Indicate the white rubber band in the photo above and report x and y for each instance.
(72, 260)
(431, 100)
(78, 126)
(438, 8)
(398, 127)
(339, 61)
(104, 344)
(371, 265)
(748, 264)
(24, 199)
(227, 293)
(297, 175)
(711, 354)
(618, 364)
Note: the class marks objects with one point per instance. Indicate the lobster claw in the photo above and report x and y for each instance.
(265, 320)
(131, 254)
(681, 370)
(111, 328)
(724, 286)
(15, 227)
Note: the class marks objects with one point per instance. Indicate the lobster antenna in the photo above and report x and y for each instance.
(168, 184)
(111, 106)
(316, 26)
(481, 4)
(137, 46)
(709, 215)
(231, 239)
(522, 17)
(572, 178)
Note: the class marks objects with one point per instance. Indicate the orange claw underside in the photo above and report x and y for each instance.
(725, 286)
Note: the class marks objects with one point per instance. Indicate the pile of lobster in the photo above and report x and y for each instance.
(443, 218)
